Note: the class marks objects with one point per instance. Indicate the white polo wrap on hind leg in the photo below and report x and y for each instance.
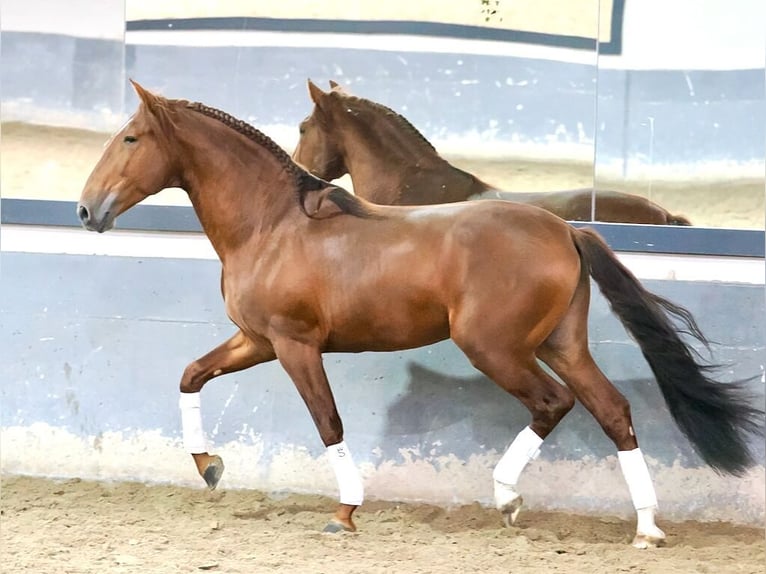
(191, 423)
(636, 474)
(348, 476)
(524, 448)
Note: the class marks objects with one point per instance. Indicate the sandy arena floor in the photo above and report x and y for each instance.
(78, 527)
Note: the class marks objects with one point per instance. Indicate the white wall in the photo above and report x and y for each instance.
(692, 34)
(103, 19)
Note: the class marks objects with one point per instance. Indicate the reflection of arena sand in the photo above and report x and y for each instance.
(52, 163)
(735, 203)
(91, 528)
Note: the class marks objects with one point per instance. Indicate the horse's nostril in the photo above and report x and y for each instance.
(84, 214)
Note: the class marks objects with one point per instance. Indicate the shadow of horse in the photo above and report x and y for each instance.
(440, 414)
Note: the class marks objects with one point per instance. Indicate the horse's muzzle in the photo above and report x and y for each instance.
(92, 220)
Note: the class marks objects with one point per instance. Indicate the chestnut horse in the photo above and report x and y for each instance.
(391, 163)
(307, 268)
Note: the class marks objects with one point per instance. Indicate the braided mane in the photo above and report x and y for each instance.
(397, 118)
(305, 182)
(303, 179)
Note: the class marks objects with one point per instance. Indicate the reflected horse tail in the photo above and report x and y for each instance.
(678, 220)
(716, 417)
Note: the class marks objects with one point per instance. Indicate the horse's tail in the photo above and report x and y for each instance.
(716, 417)
(675, 219)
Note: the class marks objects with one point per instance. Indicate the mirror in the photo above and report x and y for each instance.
(670, 107)
(62, 93)
(505, 92)
(681, 113)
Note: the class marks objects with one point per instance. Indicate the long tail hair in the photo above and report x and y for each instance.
(716, 417)
(676, 219)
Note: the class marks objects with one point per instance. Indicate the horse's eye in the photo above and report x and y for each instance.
(302, 130)
(130, 139)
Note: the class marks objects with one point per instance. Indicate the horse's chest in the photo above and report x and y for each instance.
(241, 304)
(256, 299)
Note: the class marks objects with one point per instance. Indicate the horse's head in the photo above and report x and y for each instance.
(319, 150)
(135, 164)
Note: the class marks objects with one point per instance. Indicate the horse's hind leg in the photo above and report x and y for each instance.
(236, 354)
(566, 352)
(547, 401)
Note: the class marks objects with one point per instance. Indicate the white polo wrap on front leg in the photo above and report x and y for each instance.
(191, 423)
(636, 474)
(348, 476)
(524, 448)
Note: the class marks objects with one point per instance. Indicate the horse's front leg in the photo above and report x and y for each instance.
(236, 354)
(303, 364)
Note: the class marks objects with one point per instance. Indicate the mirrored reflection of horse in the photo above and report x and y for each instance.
(307, 268)
(391, 163)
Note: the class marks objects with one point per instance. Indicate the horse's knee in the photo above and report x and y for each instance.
(192, 380)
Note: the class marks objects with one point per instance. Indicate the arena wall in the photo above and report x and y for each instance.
(94, 346)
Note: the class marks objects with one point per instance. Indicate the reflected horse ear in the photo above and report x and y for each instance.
(338, 89)
(318, 203)
(315, 92)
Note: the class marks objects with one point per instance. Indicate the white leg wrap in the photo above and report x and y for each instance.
(191, 421)
(636, 474)
(349, 480)
(525, 447)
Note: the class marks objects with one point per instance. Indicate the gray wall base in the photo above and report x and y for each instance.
(94, 348)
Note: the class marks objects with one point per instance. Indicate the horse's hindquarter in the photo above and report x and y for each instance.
(384, 288)
(420, 270)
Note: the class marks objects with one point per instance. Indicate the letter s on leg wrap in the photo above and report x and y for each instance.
(347, 474)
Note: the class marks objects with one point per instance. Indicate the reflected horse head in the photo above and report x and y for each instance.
(318, 150)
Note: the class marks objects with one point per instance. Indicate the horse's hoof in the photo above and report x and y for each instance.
(213, 471)
(335, 527)
(511, 511)
(643, 541)
(508, 502)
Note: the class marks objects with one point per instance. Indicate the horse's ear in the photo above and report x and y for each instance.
(315, 92)
(146, 97)
(152, 102)
(318, 204)
(333, 84)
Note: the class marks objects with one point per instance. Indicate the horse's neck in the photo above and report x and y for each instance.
(394, 166)
(237, 187)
